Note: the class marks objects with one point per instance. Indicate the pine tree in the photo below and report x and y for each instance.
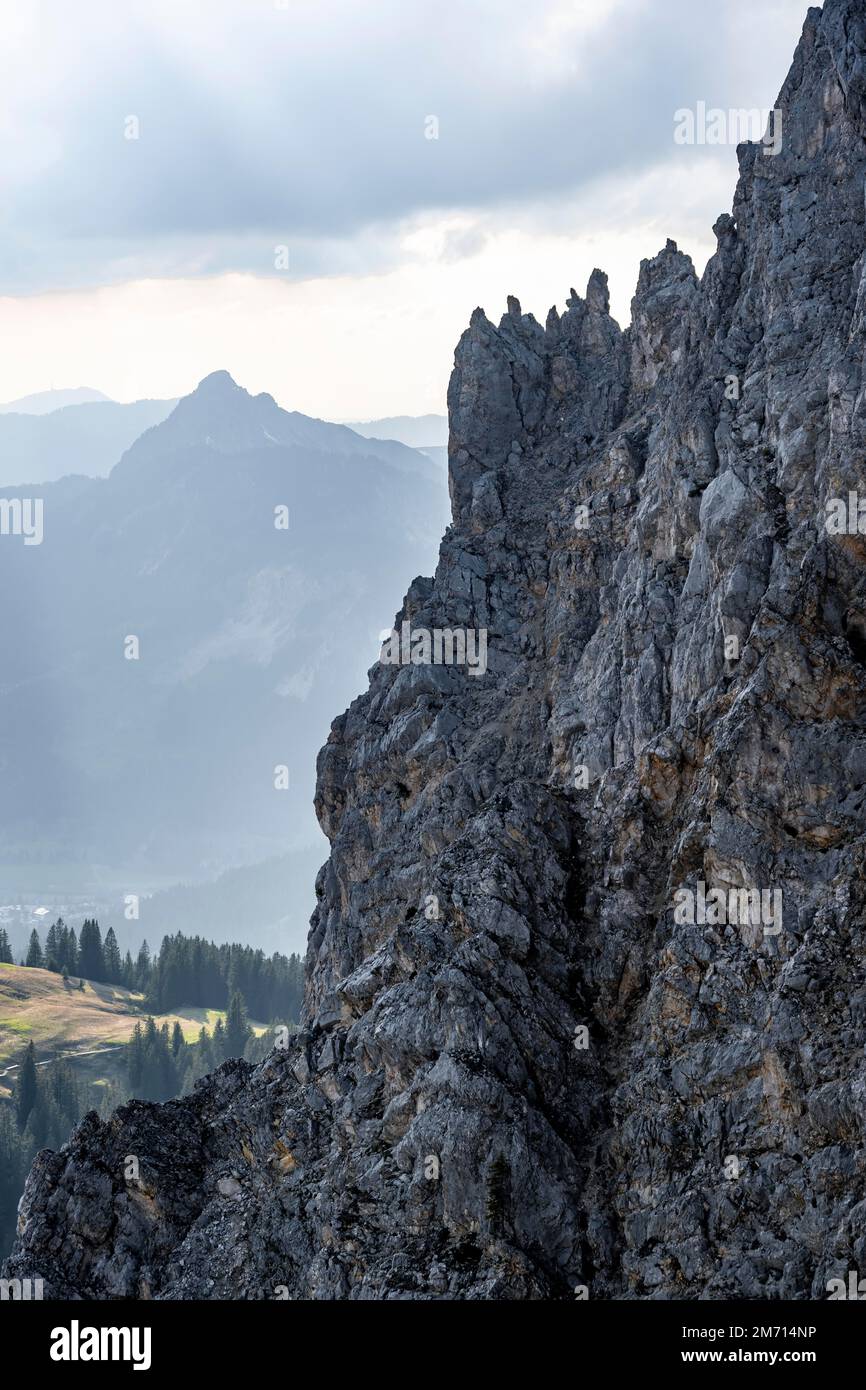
(127, 974)
(91, 959)
(238, 1030)
(178, 1041)
(219, 1043)
(167, 1069)
(65, 955)
(52, 946)
(205, 1049)
(198, 1059)
(5, 948)
(34, 952)
(150, 1080)
(27, 1087)
(142, 969)
(113, 964)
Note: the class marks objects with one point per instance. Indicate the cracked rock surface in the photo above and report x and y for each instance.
(629, 509)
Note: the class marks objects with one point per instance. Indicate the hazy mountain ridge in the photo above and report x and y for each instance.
(246, 632)
(417, 431)
(45, 402)
(85, 439)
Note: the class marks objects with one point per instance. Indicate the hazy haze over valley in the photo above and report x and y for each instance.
(123, 776)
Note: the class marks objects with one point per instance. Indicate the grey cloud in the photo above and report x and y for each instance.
(306, 126)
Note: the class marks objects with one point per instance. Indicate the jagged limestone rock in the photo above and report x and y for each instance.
(518, 1071)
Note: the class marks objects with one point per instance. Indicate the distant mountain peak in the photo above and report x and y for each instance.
(217, 384)
(224, 418)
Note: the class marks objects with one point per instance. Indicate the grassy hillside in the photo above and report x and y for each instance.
(36, 1006)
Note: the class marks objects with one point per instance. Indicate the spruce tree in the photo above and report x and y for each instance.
(113, 964)
(5, 948)
(34, 952)
(63, 949)
(167, 1071)
(154, 1068)
(52, 946)
(238, 1030)
(142, 969)
(205, 1049)
(91, 959)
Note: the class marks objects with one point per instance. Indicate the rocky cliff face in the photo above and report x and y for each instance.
(523, 1068)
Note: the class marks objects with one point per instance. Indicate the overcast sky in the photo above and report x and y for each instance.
(280, 210)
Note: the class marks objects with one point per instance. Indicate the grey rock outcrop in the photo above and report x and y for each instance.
(519, 1072)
